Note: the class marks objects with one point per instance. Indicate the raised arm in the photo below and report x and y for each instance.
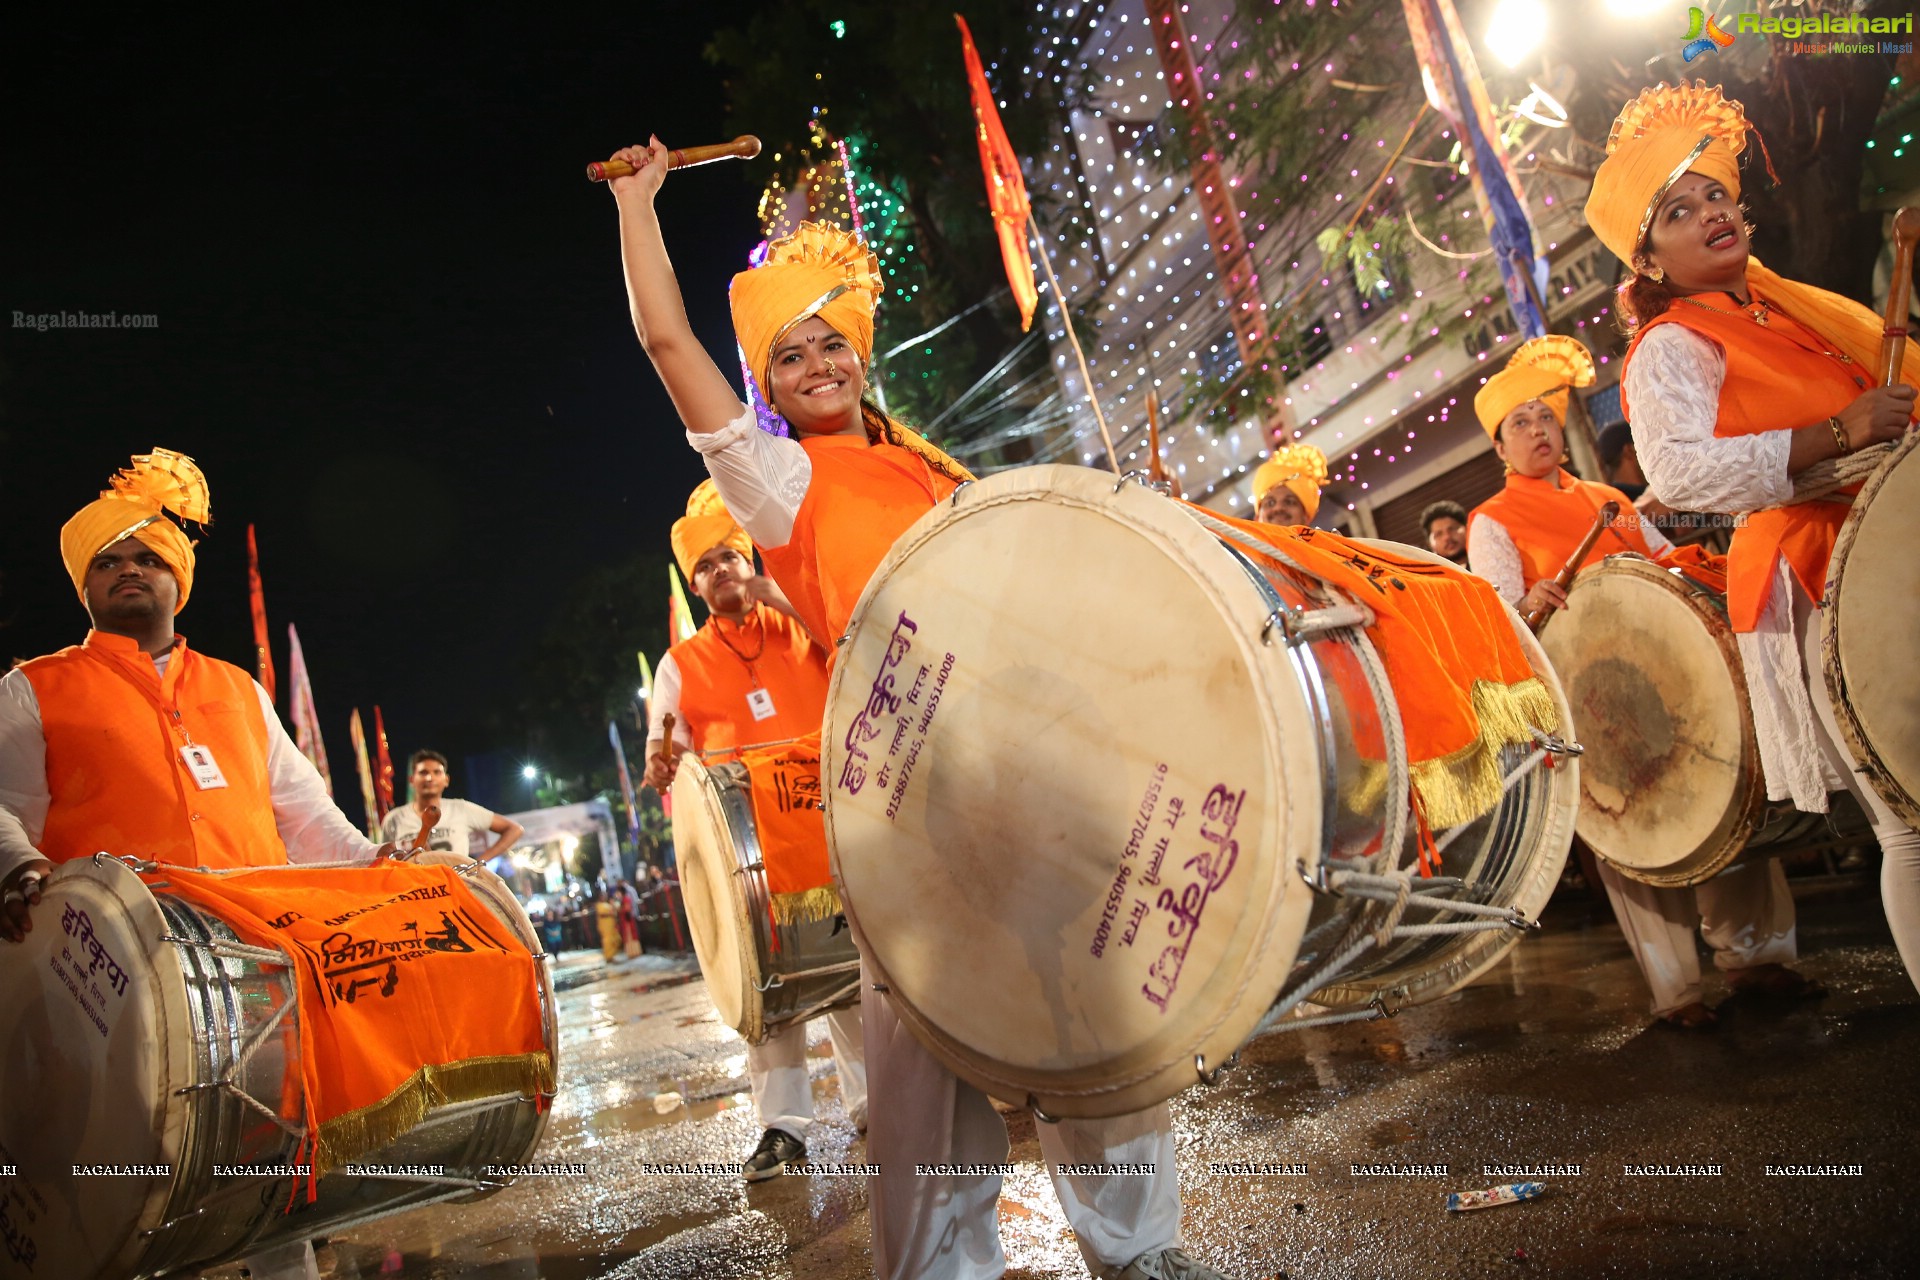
(700, 391)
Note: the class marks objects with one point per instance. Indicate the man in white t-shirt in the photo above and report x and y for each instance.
(459, 821)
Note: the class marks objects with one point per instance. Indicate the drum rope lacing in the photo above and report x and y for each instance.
(1823, 479)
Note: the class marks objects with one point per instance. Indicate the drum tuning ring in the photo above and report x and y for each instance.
(1146, 481)
(1317, 879)
(841, 643)
(141, 866)
(882, 988)
(953, 499)
(1554, 745)
(1033, 1105)
(1212, 1078)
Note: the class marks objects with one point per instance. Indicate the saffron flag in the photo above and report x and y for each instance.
(382, 764)
(257, 599)
(626, 784)
(679, 616)
(359, 736)
(306, 721)
(1456, 91)
(1006, 189)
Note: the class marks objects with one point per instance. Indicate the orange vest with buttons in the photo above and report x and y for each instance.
(1548, 517)
(114, 728)
(717, 679)
(861, 498)
(1780, 375)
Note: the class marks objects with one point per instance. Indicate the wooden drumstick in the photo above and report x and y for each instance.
(1893, 340)
(1157, 469)
(429, 819)
(666, 738)
(744, 147)
(1536, 618)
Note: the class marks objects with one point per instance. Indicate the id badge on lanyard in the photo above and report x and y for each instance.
(204, 768)
(760, 702)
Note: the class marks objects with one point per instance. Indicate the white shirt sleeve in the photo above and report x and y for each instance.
(310, 824)
(1657, 542)
(23, 773)
(1673, 386)
(762, 478)
(666, 699)
(1492, 554)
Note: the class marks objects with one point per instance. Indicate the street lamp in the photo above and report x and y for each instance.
(529, 773)
(1516, 29)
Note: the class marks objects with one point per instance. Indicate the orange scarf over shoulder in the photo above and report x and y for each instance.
(411, 993)
(1548, 517)
(1463, 683)
(1779, 376)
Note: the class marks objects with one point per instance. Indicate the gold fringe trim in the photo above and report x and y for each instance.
(346, 1138)
(807, 906)
(1464, 784)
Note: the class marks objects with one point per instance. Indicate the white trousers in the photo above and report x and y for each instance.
(782, 1090)
(284, 1262)
(946, 1227)
(1746, 916)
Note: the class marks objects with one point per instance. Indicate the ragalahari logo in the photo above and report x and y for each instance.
(1703, 35)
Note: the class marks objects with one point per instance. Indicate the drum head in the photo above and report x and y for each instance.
(1874, 586)
(1670, 783)
(1070, 790)
(723, 936)
(97, 1036)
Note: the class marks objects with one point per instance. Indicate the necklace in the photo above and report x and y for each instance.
(747, 658)
(1757, 311)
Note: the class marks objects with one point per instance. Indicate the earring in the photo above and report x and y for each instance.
(1651, 272)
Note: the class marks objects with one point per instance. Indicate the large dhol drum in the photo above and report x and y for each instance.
(762, 975)
(1868, 630)
(129, 1154)
(1082, 788)
(1671, 789)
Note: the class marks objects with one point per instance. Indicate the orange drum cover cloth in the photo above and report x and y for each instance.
(412, 993)
(1463, 682)
(785, 785)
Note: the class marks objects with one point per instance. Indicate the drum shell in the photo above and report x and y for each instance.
(210, 1005)
(729, 906)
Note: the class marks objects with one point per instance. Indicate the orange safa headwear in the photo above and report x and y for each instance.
(819, 270)
(1660, 135)
(1543, 369)
(706, 525)
(135, 507)
(1300, 467)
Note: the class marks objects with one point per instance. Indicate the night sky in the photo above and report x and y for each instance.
(392, 329)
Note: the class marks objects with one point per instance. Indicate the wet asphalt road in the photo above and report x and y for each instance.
(1548, 1060)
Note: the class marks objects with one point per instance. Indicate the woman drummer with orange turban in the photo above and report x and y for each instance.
(825, 508)
(1519, 539)
(1736, 381)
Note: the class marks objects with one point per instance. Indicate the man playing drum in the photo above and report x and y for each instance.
(826, 508)
(132, 743)
(1518, 540)
(1737, 381)
(750, 674)
(1286, 487)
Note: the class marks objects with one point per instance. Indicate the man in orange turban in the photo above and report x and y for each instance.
(1286, 487)
(1736, 381)
(751, 674)
(133, 743)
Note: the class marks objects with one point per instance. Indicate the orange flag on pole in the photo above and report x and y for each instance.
(365, 768)
(382, 764)
(257, 598)
(679, 614)
(1006, 189)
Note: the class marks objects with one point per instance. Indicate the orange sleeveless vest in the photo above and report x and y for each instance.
(715, 681)
(861, 498)
(1779, 376)
(1548, 517)
(114, 729)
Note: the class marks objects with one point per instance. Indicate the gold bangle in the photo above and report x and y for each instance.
(1840, 436)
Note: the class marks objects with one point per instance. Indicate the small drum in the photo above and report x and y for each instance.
(1671, 789)
(131, 1156)
(762, 975)
(1873, 594)
(1068, 726)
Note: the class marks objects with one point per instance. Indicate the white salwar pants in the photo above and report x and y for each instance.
(782, 1090)
(1745, 914)
(946, 1226)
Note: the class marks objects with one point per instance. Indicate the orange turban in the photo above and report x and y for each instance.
(707, 524)
(1300, 467)
(1663, 133)
(135, 507)
(819, 270)
(1542, 369)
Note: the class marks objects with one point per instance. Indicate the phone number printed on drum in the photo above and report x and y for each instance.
(911, 713)
(1183, 894)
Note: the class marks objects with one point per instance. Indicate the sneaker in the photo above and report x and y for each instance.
(776, 1151)
(1166, 1264)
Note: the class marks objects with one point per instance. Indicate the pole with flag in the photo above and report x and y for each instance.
(382, 764)
(306, 721)
(626, 784)
(1013, 220)
(257, 600)
(679, 615)
(359, 736)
